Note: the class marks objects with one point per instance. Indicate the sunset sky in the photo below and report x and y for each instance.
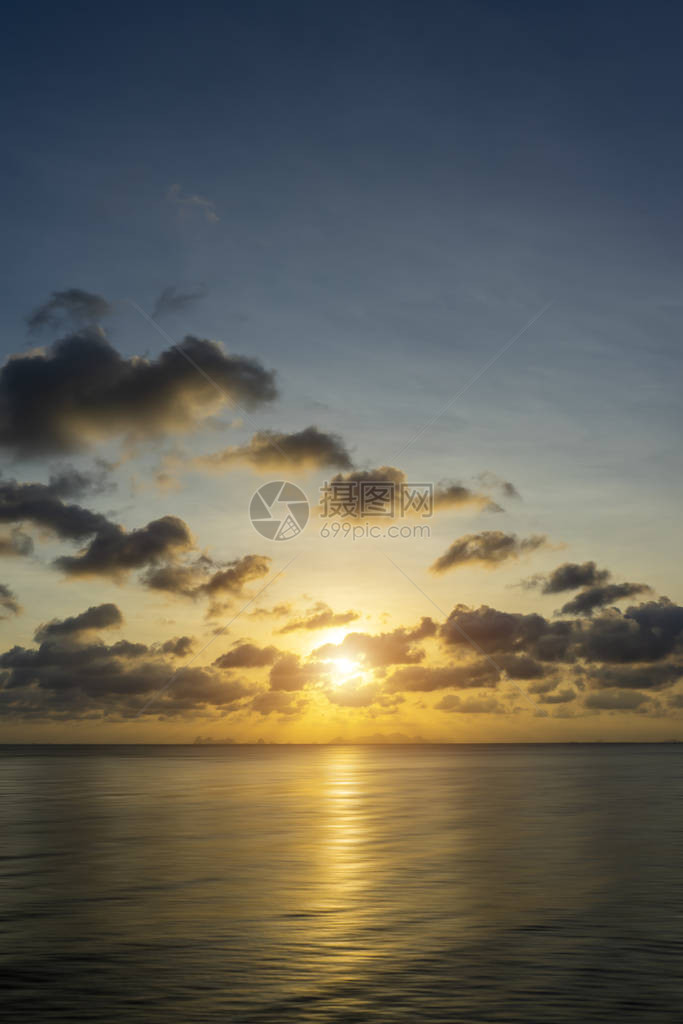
(299, 242)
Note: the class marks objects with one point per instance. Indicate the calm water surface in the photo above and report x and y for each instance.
(329, 884)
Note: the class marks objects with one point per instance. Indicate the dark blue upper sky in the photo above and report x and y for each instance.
(394, 189)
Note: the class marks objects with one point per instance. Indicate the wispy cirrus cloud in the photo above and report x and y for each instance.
(187, 203)
(72, 306)
(173, 300)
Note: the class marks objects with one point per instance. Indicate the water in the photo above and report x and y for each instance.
(330, 884)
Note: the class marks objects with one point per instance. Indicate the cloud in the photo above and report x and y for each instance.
(290, 673)
(40, 504)
(17, 544)
(471, 705)
(158, 548)
(378, 650)
(66, 679)
(72, 306)
(520, 666)
(425, 678)
(586, 601)
(658, 676)
(320, 616)
(616, 700)
(69, 482)
(498, 632)
(172, 301)
(188, 204)
(285, 704)
(247, 655)
(101, 616)
(81, 390)
(178, 646)
(270, 449)
(206, 578)
(445, 495)
(569, 576)
(645, 632)
(506, 488)
(489, 549)
(277, 611)
(565, 696)
(353, 694)
(8, 602)
(455, 495)
(426, 628)
(115, 551)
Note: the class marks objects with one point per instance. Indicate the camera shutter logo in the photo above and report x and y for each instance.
(279, 510)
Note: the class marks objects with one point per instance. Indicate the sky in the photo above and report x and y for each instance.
(378, 245)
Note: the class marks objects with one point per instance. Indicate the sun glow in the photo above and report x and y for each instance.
(343, 669)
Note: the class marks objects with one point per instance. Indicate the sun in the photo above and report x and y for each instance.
(343, 669)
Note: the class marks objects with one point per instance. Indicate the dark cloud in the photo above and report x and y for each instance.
(69, 482)
(565, 696)
(506, 488)
(445, 495)
(616, 700)
(359, 481)
(425, 629)
(115, 552)
(657, 676)
(543, 685)
(586, 601)
(247, 655)
(8, 602)
(285, 704)
(455, 495)
(645, 632)
(65, 678)
(177, 646)
(81, 390)
(232, 577)
(378, 650)
(202, 578)
(101, 616)
(498, 632)
(571, 576)
(470, 705)
(172, 301)
(290, 673)
(381, 474)
(73, 306)
(18, 543)
(320, 616)
(277, 611)
(424, 678)
(270, 449)
(520, 666)
(41, 505)
(489, 549)
(509, 490)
